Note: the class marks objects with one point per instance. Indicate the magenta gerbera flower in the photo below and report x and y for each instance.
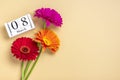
(49, 15)
(24, 49)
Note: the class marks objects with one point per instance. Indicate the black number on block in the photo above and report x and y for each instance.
(23, 19)
(14, 25)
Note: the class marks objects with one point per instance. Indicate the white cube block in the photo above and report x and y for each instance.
(19, 25)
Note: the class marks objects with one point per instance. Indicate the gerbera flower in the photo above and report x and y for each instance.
(49, 15)
(24, 49)
(48, 39)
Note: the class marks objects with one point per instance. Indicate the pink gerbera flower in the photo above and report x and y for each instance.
(49, 15)
(24, 49)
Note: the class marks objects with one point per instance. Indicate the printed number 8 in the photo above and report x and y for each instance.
(15, 25)
(23, 19)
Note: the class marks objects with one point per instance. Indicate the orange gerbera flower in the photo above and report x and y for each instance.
(48, 39)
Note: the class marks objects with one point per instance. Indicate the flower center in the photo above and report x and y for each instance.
(46, 41)
(25, 49)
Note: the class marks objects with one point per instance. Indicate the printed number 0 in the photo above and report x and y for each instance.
(23, 19)
(13, 25)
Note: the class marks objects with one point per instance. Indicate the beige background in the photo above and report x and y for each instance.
(90, 40)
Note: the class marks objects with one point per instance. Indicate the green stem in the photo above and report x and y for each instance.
(33, 65)
(44, 25)
(27, 67)
(22, 65)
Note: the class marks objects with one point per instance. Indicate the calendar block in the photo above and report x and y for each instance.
(20, 25)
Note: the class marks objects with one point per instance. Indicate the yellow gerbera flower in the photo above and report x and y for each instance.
(48, 39)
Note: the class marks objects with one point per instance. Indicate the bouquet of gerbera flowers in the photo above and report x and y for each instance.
(28, 50)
